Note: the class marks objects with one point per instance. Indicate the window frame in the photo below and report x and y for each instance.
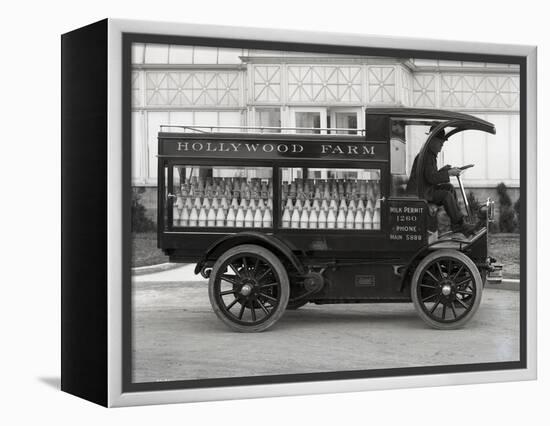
(168, 203)
(381, 166)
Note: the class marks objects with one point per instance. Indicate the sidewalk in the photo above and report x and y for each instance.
(185, 272)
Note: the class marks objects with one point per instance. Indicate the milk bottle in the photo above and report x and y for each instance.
(322, 220)
(193, 217)
(202, 217)
(231, 217)
(367, 222)
(331, 219)
(239, 220)
(198, 203)
(313, 219)
(184, 217)
(261, 204)
(286, 218)
(350, 219)
(304, 219)
(211, 217)
(359, 219)
(341, 219)
(220, 217)
(343, 205)
(266, 220)
(189, 203)
(258, 219)
(249, 219)
(223, 202)
(295, 220)
(315, 206)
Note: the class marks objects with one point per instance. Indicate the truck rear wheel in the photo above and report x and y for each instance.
(248, 288)
(446, 289)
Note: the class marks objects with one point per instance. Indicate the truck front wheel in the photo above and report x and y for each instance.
(446, 289)
(248, 288)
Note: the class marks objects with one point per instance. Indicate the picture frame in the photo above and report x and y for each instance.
(97, 95)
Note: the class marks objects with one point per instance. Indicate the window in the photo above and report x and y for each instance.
(342, 120)
(308, 120)
(235, 197)
(330, 198)
(268, 117)
(316, 120)
(398, 159)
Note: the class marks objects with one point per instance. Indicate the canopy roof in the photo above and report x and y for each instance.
(454, 119)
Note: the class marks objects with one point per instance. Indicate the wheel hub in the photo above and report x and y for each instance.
(246, 289)
(446, 289)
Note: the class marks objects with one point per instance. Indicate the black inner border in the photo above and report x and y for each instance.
(129, 38)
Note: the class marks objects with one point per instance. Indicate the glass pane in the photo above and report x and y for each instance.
(398, 159)
(346, 120)
(268, 117)
(236, 197)
(308, 120)
(330, 198)
(399, 176)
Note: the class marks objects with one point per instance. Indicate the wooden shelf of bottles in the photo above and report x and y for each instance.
(236, 202)
(331, 204)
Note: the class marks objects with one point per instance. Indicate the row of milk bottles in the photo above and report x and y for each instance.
(335, 204)
(337, 189)
(332, 217)
(237, 187)
(189, 211)
(240, 217)
(224, 202)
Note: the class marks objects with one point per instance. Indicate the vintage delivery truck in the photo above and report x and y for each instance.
(276, 218)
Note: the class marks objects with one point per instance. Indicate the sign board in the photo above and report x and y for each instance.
(270, 149)
(406, 221)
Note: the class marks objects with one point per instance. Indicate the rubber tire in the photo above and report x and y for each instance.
(478, 283)
(279, 269)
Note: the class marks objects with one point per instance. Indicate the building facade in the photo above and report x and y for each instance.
(207, 86)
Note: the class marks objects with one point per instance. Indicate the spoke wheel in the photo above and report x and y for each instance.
(446, 289)
(248, 288)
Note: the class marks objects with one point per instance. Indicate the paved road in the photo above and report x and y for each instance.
(178, 337)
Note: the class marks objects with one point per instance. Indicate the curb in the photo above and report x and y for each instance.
(151, 269)
(505, 284)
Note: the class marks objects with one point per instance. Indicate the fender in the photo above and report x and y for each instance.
(478, 253)
(268, 241)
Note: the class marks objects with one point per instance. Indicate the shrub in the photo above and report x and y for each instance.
(503, 197)
(140, 221)
(507, 221)
(473, 203)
